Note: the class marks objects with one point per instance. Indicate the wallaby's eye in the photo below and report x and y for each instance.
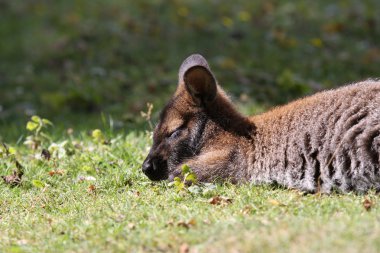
(175, 133)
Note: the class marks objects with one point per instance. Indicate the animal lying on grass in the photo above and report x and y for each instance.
(328, 141)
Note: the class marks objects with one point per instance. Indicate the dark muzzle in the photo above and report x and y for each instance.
(155, 168)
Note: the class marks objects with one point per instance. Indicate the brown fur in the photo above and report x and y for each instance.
(328, 141)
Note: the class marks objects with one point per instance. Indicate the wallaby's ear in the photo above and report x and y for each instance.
(198, 79)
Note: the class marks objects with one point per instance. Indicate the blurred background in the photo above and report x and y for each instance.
(75, 61)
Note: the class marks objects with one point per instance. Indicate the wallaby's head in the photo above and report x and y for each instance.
(198, 113)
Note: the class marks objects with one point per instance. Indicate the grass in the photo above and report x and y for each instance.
(84, 64)
(97, 199)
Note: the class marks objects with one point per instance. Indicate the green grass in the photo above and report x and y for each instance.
(122, 211)
(85, 64)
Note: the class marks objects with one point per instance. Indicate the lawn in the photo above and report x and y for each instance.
(91, 67)
(88, 194)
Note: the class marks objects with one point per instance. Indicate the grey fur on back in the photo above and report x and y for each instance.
(327, 141)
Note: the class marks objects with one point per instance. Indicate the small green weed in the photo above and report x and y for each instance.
(188, 182)
(36, 125)
(188, 178)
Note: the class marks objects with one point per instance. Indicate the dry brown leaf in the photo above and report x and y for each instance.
(56, 172)
(192, 222)
(91, 189)
(184, 248)
(219, 200)
(183, 224)
(367, 204)
(186, 224)
(14, 179)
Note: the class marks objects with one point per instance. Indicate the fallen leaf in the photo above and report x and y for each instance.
(367, 204)
(56, 172)
(183, 224)
(186, 224)
(14, 179)
(131, 226)
(192, 222)
(91, 189)
(219, 200)
(184, 248)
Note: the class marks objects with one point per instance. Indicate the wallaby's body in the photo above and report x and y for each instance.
(327, 141)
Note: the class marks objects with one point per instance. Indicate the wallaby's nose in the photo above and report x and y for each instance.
(147, 166)
(155, 169)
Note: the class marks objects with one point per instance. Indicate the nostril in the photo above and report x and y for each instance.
(147, 165)
(155, 168)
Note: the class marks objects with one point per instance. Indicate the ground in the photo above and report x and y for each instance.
(88, 194)
(91, 67)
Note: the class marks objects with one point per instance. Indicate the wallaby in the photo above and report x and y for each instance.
(328, 141)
